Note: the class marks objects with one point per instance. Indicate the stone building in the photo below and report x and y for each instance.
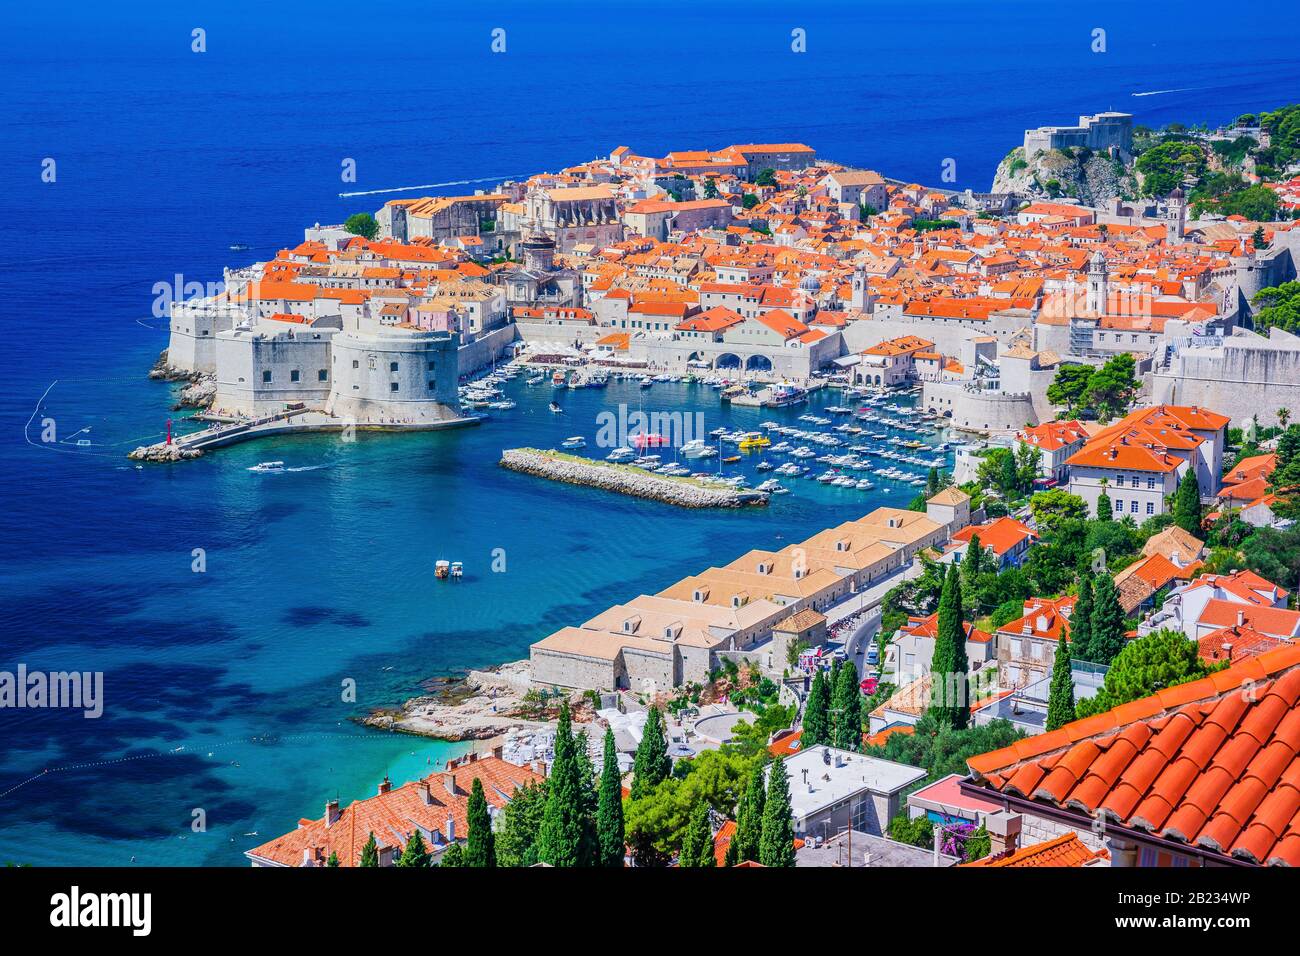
(1101, 131)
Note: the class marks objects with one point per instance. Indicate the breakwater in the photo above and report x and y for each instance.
(627, 480)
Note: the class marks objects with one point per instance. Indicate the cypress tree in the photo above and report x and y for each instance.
(370, 852)
(414, 853)
(816, 717)
(652, 764)
(454, 855)
(848, 708)
(973, 563)
(749, 819)
(1060, 698)
(1081, 620)
(731, 858)
(697, 841)
(590, 800)
(560, 838)
(609, 811)
(480, 844)
(1107, 621)
(950, 702)
(1105, 509)
(333, 860)
(1187, 503)
(776, 845)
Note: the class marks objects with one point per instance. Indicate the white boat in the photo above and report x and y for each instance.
(457, 570)
(619, 455)
(577, 441)
(268, 467)
(556, 409)
(770, 486)
(502, 406)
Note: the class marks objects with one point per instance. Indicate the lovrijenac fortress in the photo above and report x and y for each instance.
(1099, 132)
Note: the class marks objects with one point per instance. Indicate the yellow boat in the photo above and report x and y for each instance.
(758, 442)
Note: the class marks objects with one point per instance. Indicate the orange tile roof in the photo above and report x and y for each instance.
(1065, 850)
(1275, 621)
(1235, 644)
(929, 627)
(1214, 763)
(392, 815)
(1054, 614)
(1000, 535)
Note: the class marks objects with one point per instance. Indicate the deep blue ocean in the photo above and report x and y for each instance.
(223, 688)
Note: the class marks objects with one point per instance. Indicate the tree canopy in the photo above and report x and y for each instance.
(362, 224)
(1148, 664)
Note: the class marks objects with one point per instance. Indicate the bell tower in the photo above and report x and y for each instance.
(1098, 283)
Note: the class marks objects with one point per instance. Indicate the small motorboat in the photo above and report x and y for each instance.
(556, 409)
(239, 247)
(442, 569)
(577, 441)
(731, 460)
(535, 379)
(268, 467)
(619, 455)
(457, 570)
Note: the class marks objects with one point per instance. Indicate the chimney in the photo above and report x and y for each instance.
(499, 751)
(449, 782)
(451, 830)
(426, 795)
(1241, 618)
(385, 785)
(1004, 832)
(307, 857)
(331, 812)
(1227, 650)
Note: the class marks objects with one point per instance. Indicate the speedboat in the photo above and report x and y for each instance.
(619, 455)
(556, 409)
(457, 570)
(268, 467)
(442, 569)
(577, 441)
(765, 466)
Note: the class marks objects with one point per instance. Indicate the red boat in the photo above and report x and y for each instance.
(642, 442)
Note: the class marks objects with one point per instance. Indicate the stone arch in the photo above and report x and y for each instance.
(758, 363)
(727, 360)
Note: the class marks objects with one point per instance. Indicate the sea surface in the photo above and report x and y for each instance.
(224, 689)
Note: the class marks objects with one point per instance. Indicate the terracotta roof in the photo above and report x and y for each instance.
(1174, 541)
(392, 814)
(1211, 763)
(1274, 621)
(1235, 644)
(1065, 850)
(1043, 618)
(1000, 536)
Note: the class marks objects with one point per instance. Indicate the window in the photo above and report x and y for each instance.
(356, 364)
(1133, 506)
(1136, 481)
(430, 367)
(392, 366)
(433, 386)
(1151, 507)
(392, 386)
(266, 375)
(1151, 482)
(323, 375)
(293, 375)
(1119, 505)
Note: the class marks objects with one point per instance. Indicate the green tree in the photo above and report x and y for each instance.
(414, 853)
(971, 568)
(362, 224)
(589, 802)
(1069, 387)
(1060, 697)
(1187, 503)
(940, 750)
(710, 192)
(333, 860)
(1278, 307)
(1055, 505)
(561, 837)
(950, 702)
(521, 821)
(1112, 388)
(1105, 507)
(766, 177)
(847, 705)
(1150, 663)
(609, 811)
(370, 852)
(816, 717)
(480, 848)
(978, 845)
(776, 845)
(749, 818)
(1081, 621)
(454, 855)
(697, 841)
(1107, 620)
(652, 763)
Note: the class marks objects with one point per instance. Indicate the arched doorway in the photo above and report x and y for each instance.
(758, 363)
(727, 360)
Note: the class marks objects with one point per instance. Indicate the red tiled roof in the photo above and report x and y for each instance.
(1065, 850)
(1000, 536)
(1212, 763)
(1274, 621)
(1235, 644)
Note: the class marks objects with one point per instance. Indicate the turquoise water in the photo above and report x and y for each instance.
(166, 157)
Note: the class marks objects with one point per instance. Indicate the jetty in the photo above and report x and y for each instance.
(627, 480)
(290, 422)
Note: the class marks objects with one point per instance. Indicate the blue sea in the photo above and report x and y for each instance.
(223, 689)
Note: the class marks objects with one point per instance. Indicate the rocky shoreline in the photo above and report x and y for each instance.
(484, 705)
(200, 387)
(683, 492)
